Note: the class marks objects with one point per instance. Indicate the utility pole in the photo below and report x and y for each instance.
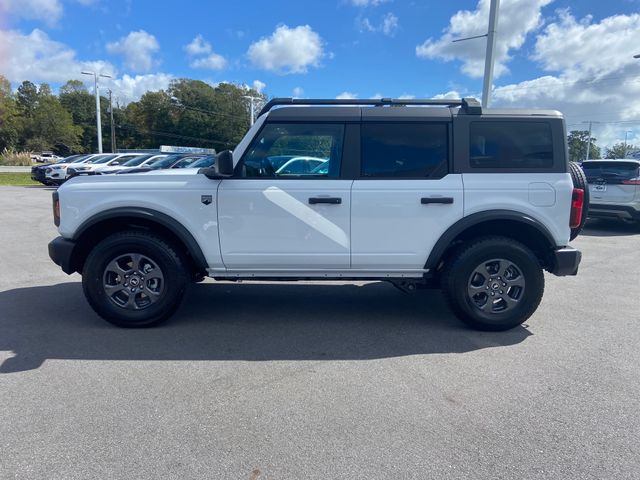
(589, 139)
(113, 127)
(252, 100)
(490, 52)
(98, 122)
(625, 142)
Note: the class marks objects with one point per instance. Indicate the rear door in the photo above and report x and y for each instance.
(404, 198)
(273, 220)
(612, 181)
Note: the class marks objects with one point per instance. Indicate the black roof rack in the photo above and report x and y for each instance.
(468, 105)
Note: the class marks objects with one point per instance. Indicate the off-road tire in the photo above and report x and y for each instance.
(458, 272)
(150, 246)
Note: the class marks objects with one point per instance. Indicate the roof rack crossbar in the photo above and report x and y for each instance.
(468, 105)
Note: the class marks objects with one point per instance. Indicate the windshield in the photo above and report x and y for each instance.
(134, 162)
(80, 159)
(102, 159)
(204, 162)
(186, 162)
(163, 162)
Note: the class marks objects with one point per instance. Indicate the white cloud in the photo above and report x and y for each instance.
(367, 3)
(259, 86)
(347, 96)
(198, 46)
(49, 11)
(138, 49)
(131, 88)
(593, 75)
(406, 96)
(388, 25)
(288, 50)
(298, 92)
(212, 61)
(38, 58)
(517, 19)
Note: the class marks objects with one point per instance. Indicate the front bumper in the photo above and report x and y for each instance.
(565, 261)
(61, 252)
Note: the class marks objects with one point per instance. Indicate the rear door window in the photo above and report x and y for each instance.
(510, 145)
(404, 150)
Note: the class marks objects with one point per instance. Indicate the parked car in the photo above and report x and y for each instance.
(57, 174)
(47, 157)
(480, 214)
(137, 161)
(157, 164)
(614, 188)
(38, 171)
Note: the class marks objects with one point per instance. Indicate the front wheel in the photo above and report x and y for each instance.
(493, 283)
(134, 279)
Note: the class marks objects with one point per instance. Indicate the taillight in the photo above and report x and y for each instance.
(577, 204)
(56, 209)
(631, 181)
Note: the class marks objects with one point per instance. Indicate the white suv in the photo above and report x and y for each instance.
(614, 188)
(477, 202)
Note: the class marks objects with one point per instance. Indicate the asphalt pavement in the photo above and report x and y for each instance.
(316, 381)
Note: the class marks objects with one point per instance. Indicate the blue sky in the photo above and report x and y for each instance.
(357, 48)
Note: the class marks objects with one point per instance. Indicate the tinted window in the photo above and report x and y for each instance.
(510, 145)
(403, 150)
(613, 170)
(295, 150)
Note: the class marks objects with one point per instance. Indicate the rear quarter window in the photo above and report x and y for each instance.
(510, 145)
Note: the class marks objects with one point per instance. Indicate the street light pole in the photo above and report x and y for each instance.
(491, 46)
(253, 107)
(490, 58)
(98, 122)
(113, 128)
(625, 142)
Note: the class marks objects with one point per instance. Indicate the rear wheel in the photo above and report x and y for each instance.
(493, 283)
(134, 279)
(579, 181)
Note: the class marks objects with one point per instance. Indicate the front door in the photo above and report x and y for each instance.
(286, 208)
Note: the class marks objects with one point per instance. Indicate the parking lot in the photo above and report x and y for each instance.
(289, 381)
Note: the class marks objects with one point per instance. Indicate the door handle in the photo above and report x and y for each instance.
(329, 200)
(441, 200)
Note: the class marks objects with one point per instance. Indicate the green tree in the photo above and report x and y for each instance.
(27, 99)
(75, 98)
(9, 122)
(51, 127)
(578, 140)
(619, 150)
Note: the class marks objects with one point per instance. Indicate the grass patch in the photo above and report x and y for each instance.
(16, 179)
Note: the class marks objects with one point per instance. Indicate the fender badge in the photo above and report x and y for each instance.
(206, 199)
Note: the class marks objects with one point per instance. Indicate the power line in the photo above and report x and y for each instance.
(172, 135)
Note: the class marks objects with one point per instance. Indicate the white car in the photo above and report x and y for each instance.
(481, 213)
(104, 161)
(57, 173)
(137, 161)
(300, 165)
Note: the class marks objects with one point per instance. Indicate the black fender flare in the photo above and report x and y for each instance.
(154, 216)
(443, 243)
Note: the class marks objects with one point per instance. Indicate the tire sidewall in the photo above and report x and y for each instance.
(526, 263)
(111, 248)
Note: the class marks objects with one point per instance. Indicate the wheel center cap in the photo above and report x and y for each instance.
(495, 286)
(134, 281)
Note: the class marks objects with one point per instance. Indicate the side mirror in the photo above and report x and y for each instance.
(222, 168)
(116, 163)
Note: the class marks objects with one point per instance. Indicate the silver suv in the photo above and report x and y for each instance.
(615, 188)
